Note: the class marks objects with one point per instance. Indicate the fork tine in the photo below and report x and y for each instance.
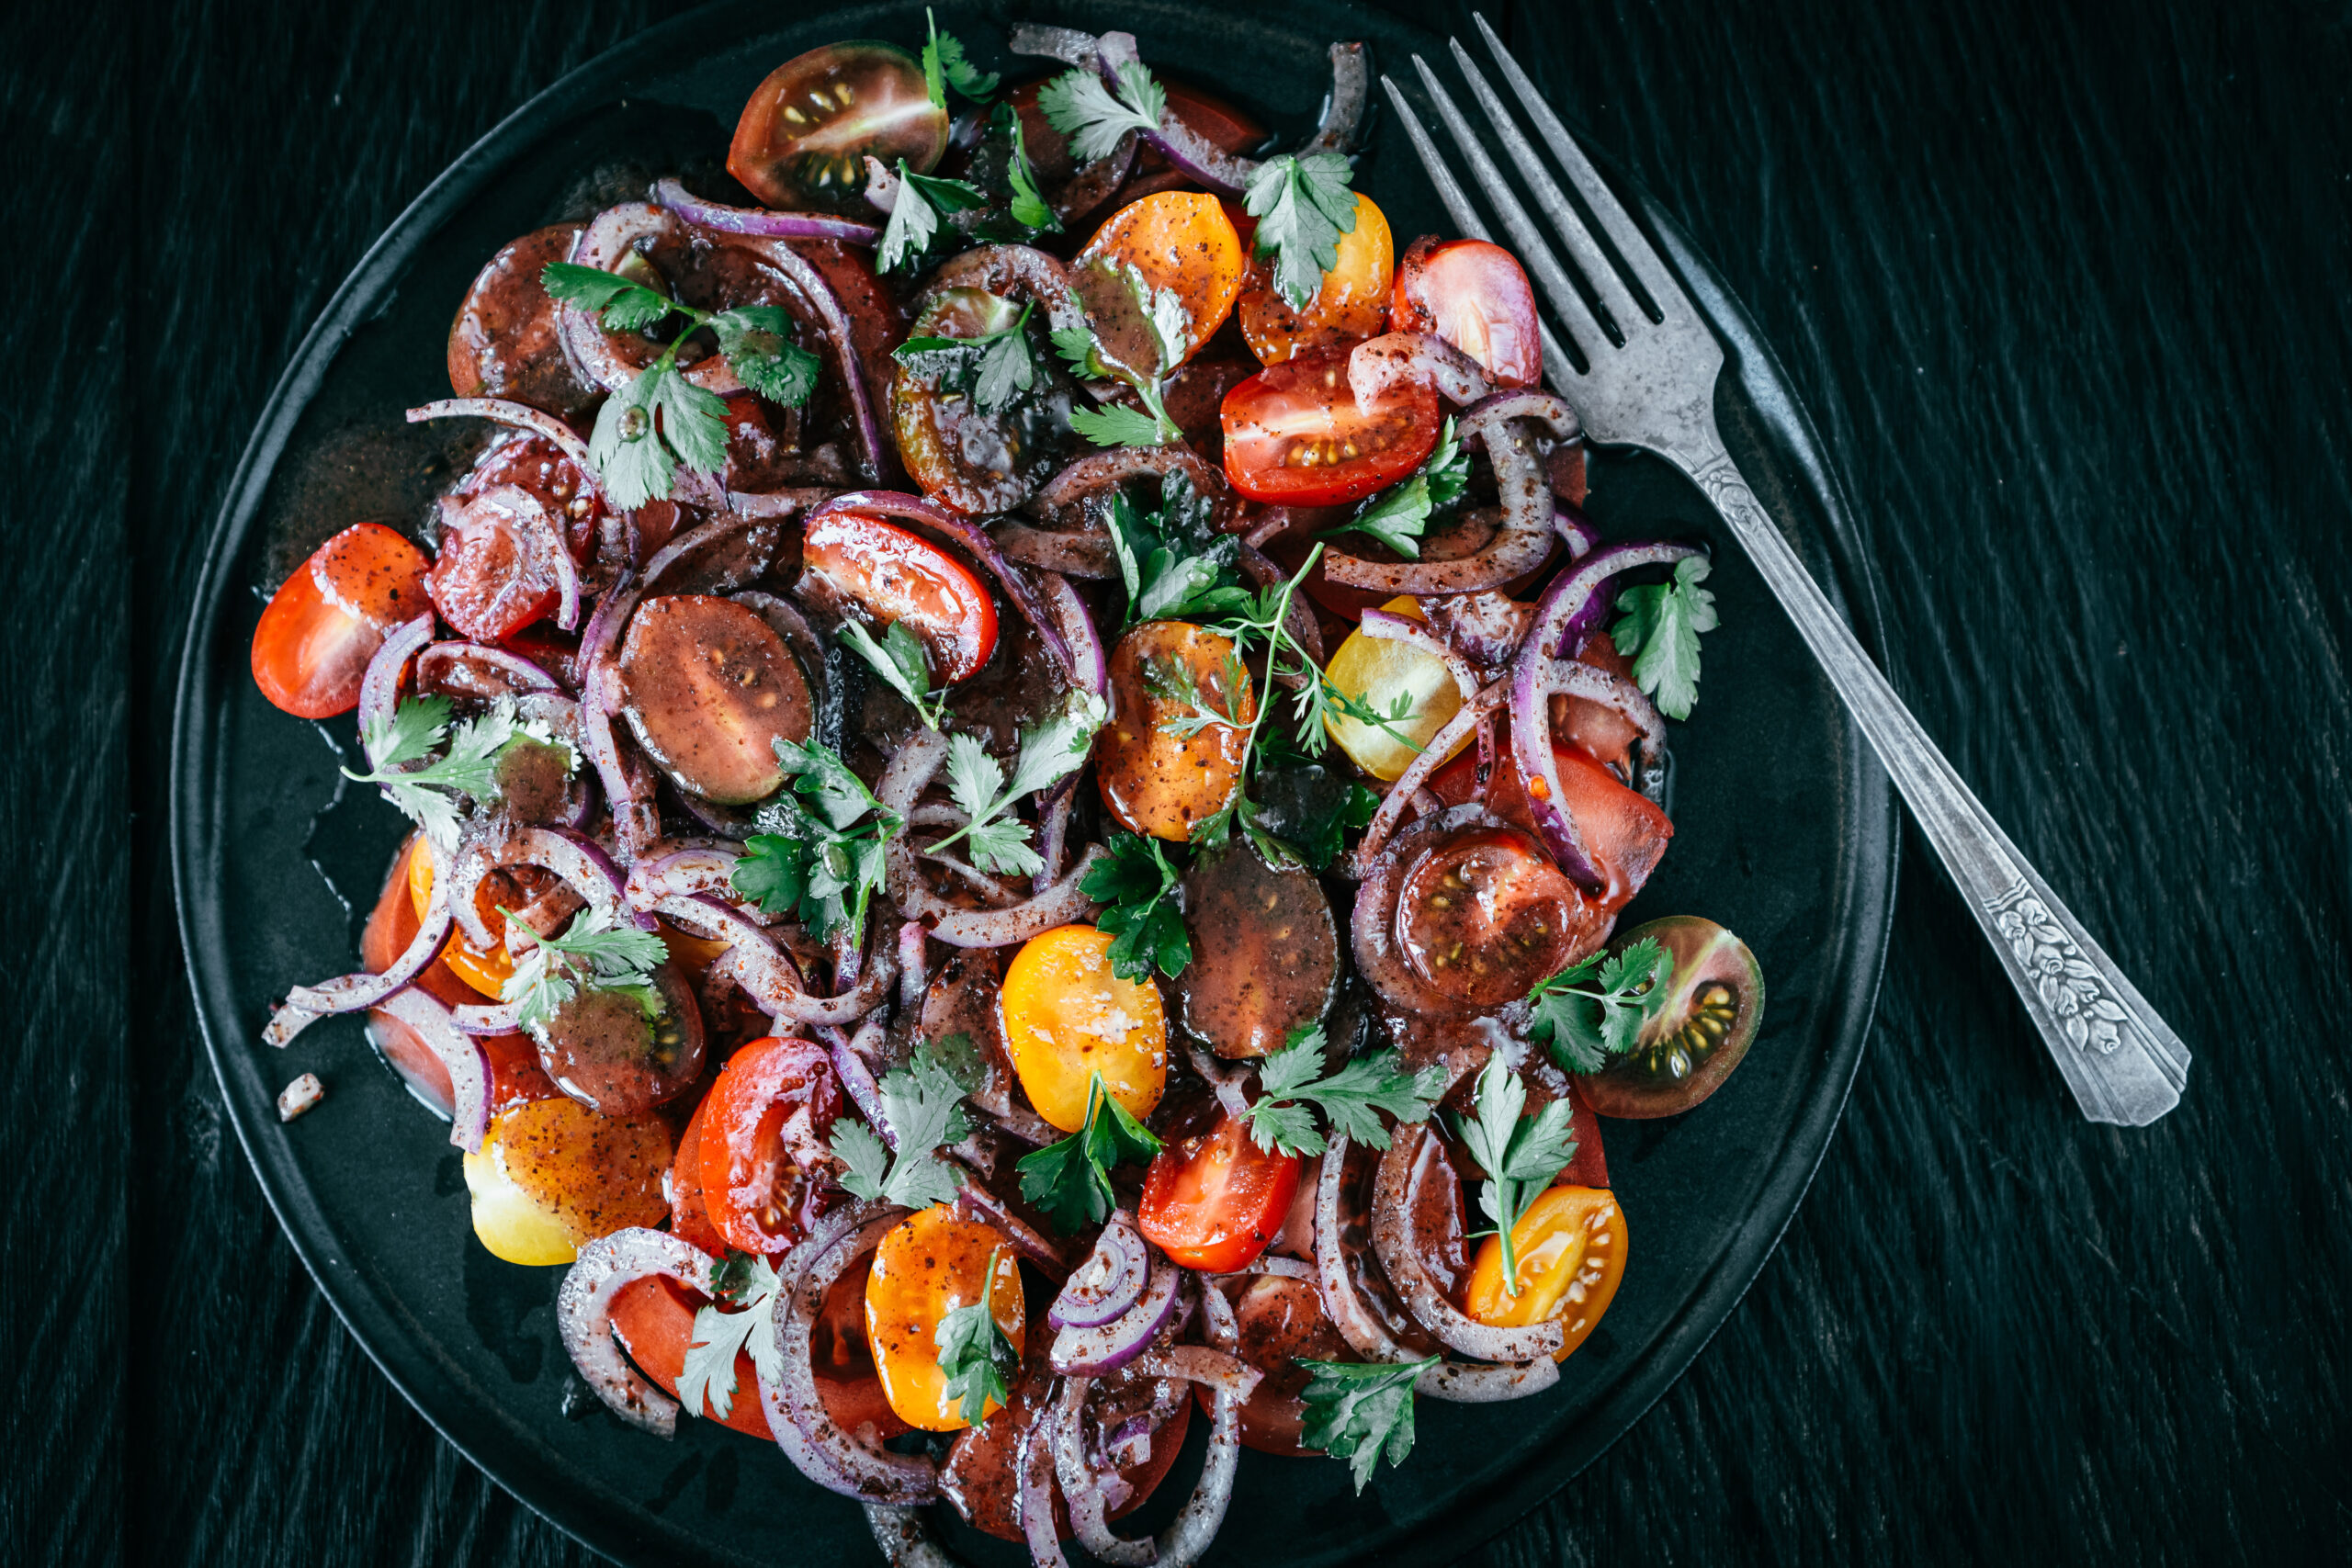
(1640, 255)
(1625, 312)
(1559, 369)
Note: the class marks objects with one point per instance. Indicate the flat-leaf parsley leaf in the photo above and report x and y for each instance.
(1659, 631)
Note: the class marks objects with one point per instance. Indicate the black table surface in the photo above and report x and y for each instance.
(2065, 287)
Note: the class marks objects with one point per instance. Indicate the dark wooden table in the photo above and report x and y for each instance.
(2065, 288)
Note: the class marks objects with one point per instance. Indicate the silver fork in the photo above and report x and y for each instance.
(1651, 384)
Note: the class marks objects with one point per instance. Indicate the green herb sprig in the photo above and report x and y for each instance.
(923, 1103)
(993, 370)
(1137, 887)
(1659, 631)
(1521, 1155)
(1303, 205)
(748, 1281)
(1292, 1079)
(821, 862)
(1070, 1182)
(1596, 1010)
(1358, 1411)
(1399, 516)
(974, 1354)
(598, 953)
(997, 841)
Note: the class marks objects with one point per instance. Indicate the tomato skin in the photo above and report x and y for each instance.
(325, 622)
(655, 1319)
(1179, 241)
(1059, 1001)
(898, 577)
(1294, 435)
(775, 1099)
(1215, 1201)
(1476, 296)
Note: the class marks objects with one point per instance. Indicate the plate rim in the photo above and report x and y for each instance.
(398, 1347)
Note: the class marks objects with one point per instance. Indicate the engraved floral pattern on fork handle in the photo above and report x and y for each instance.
(2123, 1062)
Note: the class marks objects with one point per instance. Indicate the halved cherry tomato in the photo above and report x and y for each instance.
(553, 1175)
(1294, 436)
(492, 578)
(1380, 670)
(1474, 296)
(1570, 1247)
(979, 460)
(1152, 781)
(503, 343)
(764, 1131)
(806, 131)
(1213, 1201)
(1484, 915)
(1701, 1029)
(709, 688)
(1067, 1017)
(325, 622)
(1179, 241)
(896, 577)
(925, 1269)
(1351, 305)
(689, 1215)
(1624, 832)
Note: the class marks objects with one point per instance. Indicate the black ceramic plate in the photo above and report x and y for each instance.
(1784, 831)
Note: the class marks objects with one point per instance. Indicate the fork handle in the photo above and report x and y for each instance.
(2123, 1062)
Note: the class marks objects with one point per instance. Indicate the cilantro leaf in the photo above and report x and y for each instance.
(1029, 206)
(595, 953)
(945, 66)
(757, 343)
(1353, 815)
(993, 368)
(1006, 368)
(623, 305)
(1170, 570)
(867, 1156)
(1659, 631)
(1094, 116)
(898, 659)
(1350, 1098)
(1596, 1010)
(1521, 1157)
(1358, 1411)
(922, 1104)
(915, 215)
(1077, 348)
(823, 867)
(1136, 885)
(710, 1369)
(1399, 516)
(468, 767)
(975, 783)
(974, 1353)
(1116, 425)
(1070, 1182)
(1303, 205)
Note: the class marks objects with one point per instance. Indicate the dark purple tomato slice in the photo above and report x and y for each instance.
(1715, 999)
(709, 689)
(977, 460)
(1484, 915)
(603, 1050)
(1265, 952)
(807, 129)
(504, 342)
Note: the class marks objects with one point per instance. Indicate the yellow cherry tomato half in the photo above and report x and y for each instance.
(1067, 1017)
(1571, 1247)
(552, 1176)
(1379, 670)
(924, 1269)
(1351, 305)
(486, 969)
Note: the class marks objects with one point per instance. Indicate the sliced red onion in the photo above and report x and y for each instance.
(1389, 626)
(1521, 546)
(759, 220)
(583, 1315)
(1400, 1259)
(1274, 1264)
(488, 1018)
(875, 457)
(1486, 627)
(679, 870)
(1108, 1283)
(636, 820)
(1089, 555)
(1092, 1352)
(974, 541)
(1379, 364)
(914, 965)
(1191, 153)
(858, 1082)
(1182, 1544)
(1575, 529)
(1054, 808)
(785, 618)
(1462, 1382)
(1065, 903)
(1574, 606)
(1035, 1458)
(1090, 667)
(1013, 272)
(477, 670)
(379, 687)
(1407, 788)
(904, 1535)
(979, 1202)
(1082, 1485)
(603, 244)
(1198, 1364)
(305, 1005)
(1342, 1304)
(1094, 184)
(461, 1053)
(1063, 501)
(1229, 1083)
(523, 416)
(809, 1436)
(1544, 408)
(1343, 105)
(767, 974)
(1612, 690)
(532, 521)
(574, 856)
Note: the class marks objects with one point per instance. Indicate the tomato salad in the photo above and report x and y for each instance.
(1023, 714)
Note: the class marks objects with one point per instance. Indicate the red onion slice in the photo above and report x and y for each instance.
(461, 1053)
(875, 457)
(759, 220)
(1612, 690)
(1342, 115)
(1198, 1364)
(1108, 1283)
(809, 1436)
(488, 1018)
(477, 670)
(1036, 1499)
(583, 1312)
(979, 1202)
(603, 244)
(379, 687)
(1389, 626)
(636, 820)
(1013, 272)
(523, 416)
(1276, 1265)
(1182, 1542)
(1090, 667)
(1341, 1301)
(306, 1005)
(767, 974)
(1378, 364)
(1392, 1240)
(1461, 1382)
(1087, 555)
(1082, 1488)
(1092, 1352)
(1574, 606)
(679, 871)
(1063, 500)
(1519, 547)
(1408, 785)
(1230, 1085)
(571, 855)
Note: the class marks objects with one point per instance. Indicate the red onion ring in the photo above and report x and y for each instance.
(858, 1082)
(578, 858)
(874, 455)
(909, 772)
(1274, 1264)
(583, 1312)
(1036, 1504)
(1087, 555)
(786, 619)
(679, 871)
(523, 416)
(1410, 784)
(1462, 1382)
(759, 222)
(1198, 1364)
(461, 1053)
(488, 1018)
(1342, 116)
(1404, 359)
(1230, 1085)
(1341, 1304)
(305, 1005)
(636, 820)
(532, 521)
(1082, 1485)
(1392, 1241)
(379, 687)
(1389, 626)
(815, 1443)
(914, 964)
(1090, 667)
(472, 668)
(1063, 500)
(978, 1201)
(1196, 1524)
(1612, 690)
(1105, 1348)
(766, 974)
(904, 1535)
(1108, 1282)
(1573, 607)
(1521, 546)
(1054, 808)
(603, 244)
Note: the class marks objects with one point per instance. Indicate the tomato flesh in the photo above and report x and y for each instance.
(1214, 1202)
(1624, 833)
(768, 1117)
(1485, 914)
(936, 1261)
(1294, 436)
(1474, 296)
(897, 578)
(1068, 1017)
(1570, 1250)
(324, 623)
(806, 131)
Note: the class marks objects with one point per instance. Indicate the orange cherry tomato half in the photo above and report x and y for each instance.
(1474, 296)
(763, 1126)
(1214, 1202)
(899, 577)
(1294, 435)
(1351, 305)
(1570, 1247)
(1179, 241)
(325, 622)
(1154, 780)
(1067, 1017)
(925, 1269)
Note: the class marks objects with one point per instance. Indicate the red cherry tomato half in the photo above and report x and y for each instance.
(1213, 1203)
(325, 622)
(492, 577)
(807, 129)
(900, 579)
(1625, 833)
(1294, 436)
(1474, 296)
(764, 1125)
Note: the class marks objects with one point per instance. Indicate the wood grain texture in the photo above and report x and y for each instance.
(2064, 289)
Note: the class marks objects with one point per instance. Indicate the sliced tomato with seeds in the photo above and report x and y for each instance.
(1294, 435)
(897, 578)
(1624, 832)
(763, 1133)
(1484, 914)
(1474, 296)
(1215, 1201)
(324, 623)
